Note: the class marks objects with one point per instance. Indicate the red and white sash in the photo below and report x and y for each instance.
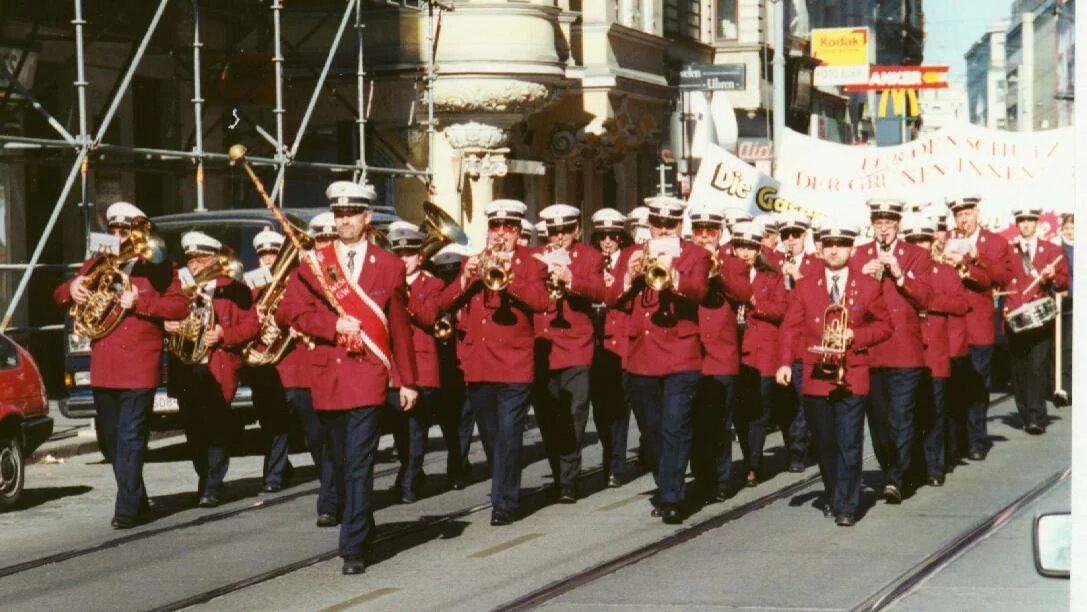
(373, 327)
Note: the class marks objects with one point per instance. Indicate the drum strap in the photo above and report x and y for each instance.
(1028, 266)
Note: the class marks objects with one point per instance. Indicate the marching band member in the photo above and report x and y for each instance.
(269, 396)
(665, 356)
(204, 390)
(611, 406)
(528, 233)
(1067, 244)
(566, 328)
(361, 339)
(761, 314)
(904, 272)
(948, 300)
(452, 410)
(542, 237)
(498, 346)
(125, 364)
(768, 224)
(638, 221)
(410, 428)
(835, 412)
(734, 215)
(984, 268)
(711, 459)
(1038, 270)
(796, 264)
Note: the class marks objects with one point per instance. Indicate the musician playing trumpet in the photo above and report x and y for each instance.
(1038, 271)
(205, 389)
(125, 364)
(835, 413)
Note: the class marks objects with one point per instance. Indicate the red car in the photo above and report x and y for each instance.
(24, 417)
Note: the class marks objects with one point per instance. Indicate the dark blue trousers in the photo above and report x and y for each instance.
(711, 455)
(956, 404)
(794, 426)
(611, 411)
(978, 379)
(931, 444)
(329, 498)
(410, 430)
(208, 425)
(754, 400)
(565, 407)
(121, 418)
(892, 404)
(270, 402)
(665, 404)
(352, 437)
(454, 414)
(500, 410)
(1029, 353)
(837, 428)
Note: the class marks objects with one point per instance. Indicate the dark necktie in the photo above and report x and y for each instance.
(835, 292)
(351, 263)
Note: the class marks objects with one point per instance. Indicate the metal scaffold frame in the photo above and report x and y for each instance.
(284, 156)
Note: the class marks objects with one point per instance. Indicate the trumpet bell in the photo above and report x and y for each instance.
(657, 276)
(495, 278)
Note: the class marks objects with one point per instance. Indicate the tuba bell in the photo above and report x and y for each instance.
(830, 363)
(189, 344)
(101, 313)
(440, 229)
(275, 342)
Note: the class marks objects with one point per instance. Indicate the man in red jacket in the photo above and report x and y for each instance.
(566, 329)
(835, 412)
(903, 271)
(665, 355)
(948, 300)
(711, 452)
(125, 363)
(362, 337)
(1038, 272)
(204, 390)
(984, 269)
(498, 346)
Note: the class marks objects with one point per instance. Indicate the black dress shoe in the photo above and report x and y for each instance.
(353, 565)
(614, 482)
(407, 497)
(271, 488)
(796, 466)
(568, 495)
(828, 512)
(459, 483)
(1035, 429)
(671, 516)
(892, 495)
(976, 454)
(327, 520)
(845, 520)
(752, 479)
(209, 501)
(656, 512)
(936, 482)
(501, 517)
(124, 522)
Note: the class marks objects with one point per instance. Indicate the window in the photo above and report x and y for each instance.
(682, 18)
(9, 356)
(726, 20)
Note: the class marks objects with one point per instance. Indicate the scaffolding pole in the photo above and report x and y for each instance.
(360, 87)
(198, 105)
(431, 131)
(279, 111)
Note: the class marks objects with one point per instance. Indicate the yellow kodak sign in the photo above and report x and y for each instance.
(840, 46)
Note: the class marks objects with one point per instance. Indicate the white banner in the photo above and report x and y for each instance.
(725, 181)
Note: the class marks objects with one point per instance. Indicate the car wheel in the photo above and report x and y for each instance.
(12, 470)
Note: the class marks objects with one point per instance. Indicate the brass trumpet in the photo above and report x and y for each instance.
(443, 327)
(493, 270)
(715, 265)
(657, 276)
(831, 349)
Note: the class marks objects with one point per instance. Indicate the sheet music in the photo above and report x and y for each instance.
(665, 245)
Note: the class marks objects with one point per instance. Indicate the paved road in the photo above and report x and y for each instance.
(783, 555)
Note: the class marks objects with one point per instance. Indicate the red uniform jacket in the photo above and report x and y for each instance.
(233, 303)
(987, 273)
(810, 265)
(342, 381)
(1045, 253)
(131, 355)
(868, 318)
(615, 327)
(500, 349)
(573, 345)
(663, 345)
(948, 301)
(762, 319)
(717, 316)
(956, 333)
(905, 348)
(423, 295)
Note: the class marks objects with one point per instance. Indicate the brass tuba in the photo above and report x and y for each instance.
(440, 230)
(189, 344)
(101, 313)
(276, 342)
(832, 347)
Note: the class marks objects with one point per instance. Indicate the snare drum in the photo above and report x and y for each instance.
(1032, 315)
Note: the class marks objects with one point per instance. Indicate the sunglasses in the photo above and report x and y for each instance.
(664, 223)
(792, 233)
(503, 224)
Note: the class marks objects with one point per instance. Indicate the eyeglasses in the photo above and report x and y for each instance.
(664, 223)
(496, 224)
(792, 233)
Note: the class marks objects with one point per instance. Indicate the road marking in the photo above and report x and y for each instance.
(372, 595)
(621, 503)
(494, 550)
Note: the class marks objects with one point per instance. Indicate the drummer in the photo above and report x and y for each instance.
(1038, 271)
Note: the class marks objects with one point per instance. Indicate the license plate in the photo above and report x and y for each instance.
(165, 403)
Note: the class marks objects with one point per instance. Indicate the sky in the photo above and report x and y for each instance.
(952, 26)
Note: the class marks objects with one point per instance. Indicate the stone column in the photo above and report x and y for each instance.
(482, 158)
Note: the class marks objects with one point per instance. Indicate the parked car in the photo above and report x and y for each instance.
(235, 228)
(24, 417)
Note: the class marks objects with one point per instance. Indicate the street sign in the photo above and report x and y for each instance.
(525, 166)
(903, 77)
(837, 76)
(840, 46)
(713, 77)
(754, 149)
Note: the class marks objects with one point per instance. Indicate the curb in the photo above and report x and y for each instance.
(73, 446)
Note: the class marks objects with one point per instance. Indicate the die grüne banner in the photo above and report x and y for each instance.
(822, 177)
